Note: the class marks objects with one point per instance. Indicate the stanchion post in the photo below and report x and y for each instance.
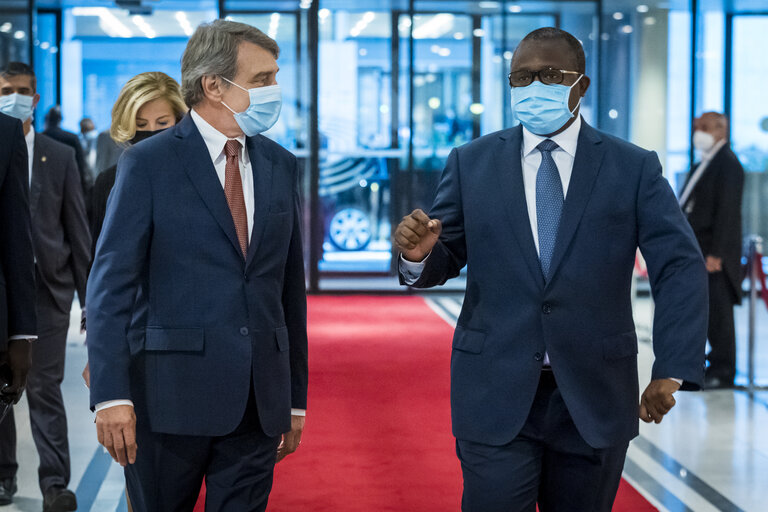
(755, 249)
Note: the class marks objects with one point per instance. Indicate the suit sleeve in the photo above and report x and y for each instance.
(118, 269)
(449, 255)
(16, 242)
(678, 280)
(727, 213)
(76, 230)
(295, 308)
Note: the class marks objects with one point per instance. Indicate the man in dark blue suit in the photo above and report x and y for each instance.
(197, 326)
(547, 217)
(18, 317)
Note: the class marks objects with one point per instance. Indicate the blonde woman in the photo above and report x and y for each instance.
(148, 104)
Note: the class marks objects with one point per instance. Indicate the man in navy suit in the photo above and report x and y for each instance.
(197, 326)
(547, 217)
(18, 320)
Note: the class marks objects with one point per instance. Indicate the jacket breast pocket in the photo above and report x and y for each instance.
(174, 339)
(620, 346)
(468, 340)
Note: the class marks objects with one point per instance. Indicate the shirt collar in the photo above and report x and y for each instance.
(214, 139)
(567, 140)
(30, 137)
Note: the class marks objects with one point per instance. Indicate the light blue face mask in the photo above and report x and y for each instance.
(542, 108)
(17, 105)
(263, 110)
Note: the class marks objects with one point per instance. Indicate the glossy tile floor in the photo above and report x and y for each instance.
(710, 453)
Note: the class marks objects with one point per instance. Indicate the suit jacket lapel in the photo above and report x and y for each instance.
(586, 166)
(510, 172)
(39, 162)
(261, 167)
(199, 167)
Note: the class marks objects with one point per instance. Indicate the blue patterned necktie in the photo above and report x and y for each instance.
(549, 204)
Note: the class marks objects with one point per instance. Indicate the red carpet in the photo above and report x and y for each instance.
(378, 435)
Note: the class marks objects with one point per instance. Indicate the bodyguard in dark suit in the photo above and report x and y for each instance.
(54, 130)
(711, 199)
(61, 242)
(547, 217)
(18, 323)
(197, 313)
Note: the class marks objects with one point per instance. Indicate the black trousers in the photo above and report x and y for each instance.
(47, 415)
(169, 469)
(721, 332)
(548, 463)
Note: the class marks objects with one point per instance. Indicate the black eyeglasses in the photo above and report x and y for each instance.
(547, 76)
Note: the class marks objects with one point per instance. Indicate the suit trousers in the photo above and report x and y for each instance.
(47, 415)
(721, 332)
(169, 469)
(548, 463)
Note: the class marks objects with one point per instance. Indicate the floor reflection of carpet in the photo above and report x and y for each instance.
(378, 435)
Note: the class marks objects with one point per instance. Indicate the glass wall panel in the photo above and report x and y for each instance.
(14, 32)
(102, 48)
(46, 64)
(355, 124)
(749, 116)
(710, 59)
(678, 104)
(645, 88)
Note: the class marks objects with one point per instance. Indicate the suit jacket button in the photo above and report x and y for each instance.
(538, 356)
(244, 331)
(546, 308)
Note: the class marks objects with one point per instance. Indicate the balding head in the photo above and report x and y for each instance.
(713, 123)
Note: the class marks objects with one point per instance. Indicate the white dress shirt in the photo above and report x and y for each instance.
(706, 158)
(215, 142)
(30, 138)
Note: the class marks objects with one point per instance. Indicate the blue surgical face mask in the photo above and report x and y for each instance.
(263, 110)
(17, 105)
(542, 108)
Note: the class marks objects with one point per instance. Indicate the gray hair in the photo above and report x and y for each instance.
(212, 50)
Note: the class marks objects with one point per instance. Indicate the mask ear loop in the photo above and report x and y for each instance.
(569, 94)
(233, 83)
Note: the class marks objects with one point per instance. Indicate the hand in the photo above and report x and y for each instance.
(116, 431)
(19, 359)
(416, 235)
(87, 375)
(657, 400)
(714, 264)
(291, 440)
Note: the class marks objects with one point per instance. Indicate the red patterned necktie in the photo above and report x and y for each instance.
(233, 189)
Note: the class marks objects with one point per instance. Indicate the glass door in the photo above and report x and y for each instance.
(749, 114)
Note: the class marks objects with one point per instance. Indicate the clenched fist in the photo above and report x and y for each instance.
(416, 235)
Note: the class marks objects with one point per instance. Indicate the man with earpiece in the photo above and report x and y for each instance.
(711, 199)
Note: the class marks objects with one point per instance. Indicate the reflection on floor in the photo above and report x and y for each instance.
(710, 453)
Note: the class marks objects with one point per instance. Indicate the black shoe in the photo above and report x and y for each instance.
(7, 490)
(59, 499)
(715, 382)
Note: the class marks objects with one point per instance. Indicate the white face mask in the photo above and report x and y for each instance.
(263, 109)
(17, 105)
(703, 141)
